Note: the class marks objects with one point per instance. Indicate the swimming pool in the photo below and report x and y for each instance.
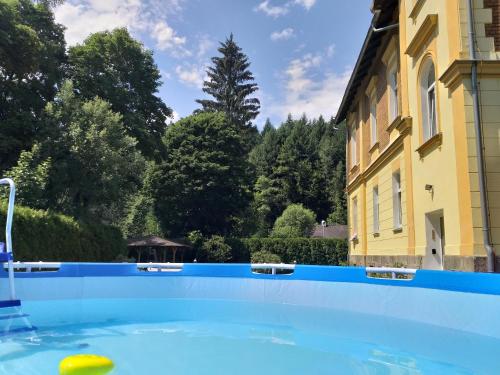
(225, 319)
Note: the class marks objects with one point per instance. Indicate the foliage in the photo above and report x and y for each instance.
(230, 83)
(118, 69)
(32, 59)
(326, 251)
(296, 221)
(31, 179)
(214, 250)
(264, 257)
(92, 166)
(41, 235)
(303, 162)
(203, 183)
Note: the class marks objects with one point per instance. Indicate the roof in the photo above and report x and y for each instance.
(383, 12)
(153, 241)
(331, 231)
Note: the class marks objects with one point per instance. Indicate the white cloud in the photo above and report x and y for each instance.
(89, 16)
(330, 50)
(308, 93)
(308, 4)
(284, 34)
(270, 10)
(191, 75)
(280, 10)
(167, 39)
(205, 44)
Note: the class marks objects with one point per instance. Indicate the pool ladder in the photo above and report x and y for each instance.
(10, 308)
(6, 255)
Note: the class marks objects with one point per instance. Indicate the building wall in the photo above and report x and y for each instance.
(437, 30)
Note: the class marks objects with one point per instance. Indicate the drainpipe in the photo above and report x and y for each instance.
(381, 29)
(490, 252)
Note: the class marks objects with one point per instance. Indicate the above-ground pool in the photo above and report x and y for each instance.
(225, 319)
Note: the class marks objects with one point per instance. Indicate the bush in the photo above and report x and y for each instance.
(264, 257)
(215, 250)
(327, 251)
(295, 221)
(41, 235)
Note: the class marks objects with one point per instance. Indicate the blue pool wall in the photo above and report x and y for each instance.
(463, 301)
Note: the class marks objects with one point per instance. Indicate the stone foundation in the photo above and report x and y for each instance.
(451, 262)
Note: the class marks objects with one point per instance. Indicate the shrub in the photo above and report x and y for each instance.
(325, 251)
(215, 250)
(264, 257)
(295, 221)
(41, 235)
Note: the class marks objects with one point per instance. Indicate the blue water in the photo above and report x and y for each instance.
(228, 337)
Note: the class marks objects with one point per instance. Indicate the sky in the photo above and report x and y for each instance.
(302, 52)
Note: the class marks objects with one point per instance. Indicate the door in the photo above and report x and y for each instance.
(434, 252)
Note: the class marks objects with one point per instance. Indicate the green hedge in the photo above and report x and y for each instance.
(326, 251)
(41, 235)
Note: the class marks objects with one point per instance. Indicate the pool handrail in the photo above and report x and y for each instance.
(8, 232)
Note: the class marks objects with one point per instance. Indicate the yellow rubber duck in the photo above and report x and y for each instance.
(85, 364)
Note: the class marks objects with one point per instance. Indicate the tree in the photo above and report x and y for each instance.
(117, 68)
(265, 257)
(295, 221)
(204, 181)
(32, 178)
(230, 83)
(32, 59)
(93, 166)
(214, 250)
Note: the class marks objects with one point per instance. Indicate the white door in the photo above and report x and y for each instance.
(434, 254)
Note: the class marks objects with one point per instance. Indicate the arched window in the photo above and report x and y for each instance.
(428, 99)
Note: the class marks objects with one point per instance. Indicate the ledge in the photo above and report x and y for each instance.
(354, 169)
(459, 69)
(416, 9)
(431, 144)
(394, 124)
(374, 147)
(422, 35)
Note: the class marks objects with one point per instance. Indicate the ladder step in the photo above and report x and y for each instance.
(13, 316)
(10, 303)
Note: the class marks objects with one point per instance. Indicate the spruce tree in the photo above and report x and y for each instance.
(230, 83)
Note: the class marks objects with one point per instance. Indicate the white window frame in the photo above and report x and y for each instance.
(392, 81)
(376, 210)
(397, 201)
(354, 146)
(429, 101)
(355, 218)
(373, 119)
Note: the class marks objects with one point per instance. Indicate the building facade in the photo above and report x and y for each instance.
(413, 179)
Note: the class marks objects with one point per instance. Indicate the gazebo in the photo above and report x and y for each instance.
(156, 249)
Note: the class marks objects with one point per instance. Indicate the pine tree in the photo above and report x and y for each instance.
(230, 83)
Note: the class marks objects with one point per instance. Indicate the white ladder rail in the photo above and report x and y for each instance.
(8, 231)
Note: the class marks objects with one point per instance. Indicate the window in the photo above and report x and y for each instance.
(376, 221)
(354, 149)
(354, 217)
(373, 119)
(428, 98)
(393, 93)
(396, 200)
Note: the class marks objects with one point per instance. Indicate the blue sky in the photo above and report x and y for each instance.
(302, 51)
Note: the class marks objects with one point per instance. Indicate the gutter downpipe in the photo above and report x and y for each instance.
(381, 29)
(490, 252)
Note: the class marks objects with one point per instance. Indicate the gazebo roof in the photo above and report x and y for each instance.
(153, 241)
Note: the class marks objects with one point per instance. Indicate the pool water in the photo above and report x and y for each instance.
(181, 336)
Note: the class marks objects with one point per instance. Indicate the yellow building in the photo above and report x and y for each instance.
(420, 193)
